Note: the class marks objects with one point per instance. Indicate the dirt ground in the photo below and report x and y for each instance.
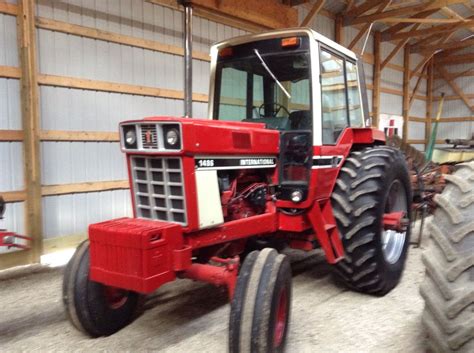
(187, 316)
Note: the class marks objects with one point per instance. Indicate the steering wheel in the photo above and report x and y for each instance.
(276, 107)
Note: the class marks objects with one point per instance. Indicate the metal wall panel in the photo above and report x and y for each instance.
(455, 130)
(11, 166)
(76, 162)
(71, 214)
(416, 130)
(8, 41)
(391, 104)
(10, 108)
(82, 110)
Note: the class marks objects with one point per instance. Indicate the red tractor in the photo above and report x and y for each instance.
(285, 158)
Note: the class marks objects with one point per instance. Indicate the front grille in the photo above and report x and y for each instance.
(149, 136)
(159, 188)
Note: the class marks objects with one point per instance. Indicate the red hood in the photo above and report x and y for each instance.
(204, 136)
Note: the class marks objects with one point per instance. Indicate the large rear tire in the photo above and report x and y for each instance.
(448, 288)
(372, 182)
(92, 307)
(260, 309)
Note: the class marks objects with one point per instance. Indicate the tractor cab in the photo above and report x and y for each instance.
(289, 80)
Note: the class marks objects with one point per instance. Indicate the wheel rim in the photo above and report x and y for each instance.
(280, 322)
(115, 297)
(393, 242)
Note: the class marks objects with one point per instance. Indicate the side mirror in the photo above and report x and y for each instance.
(2, 207)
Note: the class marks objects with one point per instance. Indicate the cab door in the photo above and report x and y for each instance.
(341, 109)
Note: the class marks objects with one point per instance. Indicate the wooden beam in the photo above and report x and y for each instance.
(416, 119)
(13, 196)
(420, 20)
(361, 9)
(52, 135)
(26, 36)
(394, 52)
(456, 119)
(412, 96)
(398, 27)
(376, 80)
(431, 30)
(453, 14)
(8, 9)
(312, 13)
(444, 46)
(214, 16)
(454, 97)
(437, 4)
(269, 13)
(10, 72)
(455, 87)
(429, 102)
(363, 31)
(95, 186)
(456, 59)
(11, 135)
(453, 76)
(88, 32)
(104, 86)
(406, 87)
(339, 29)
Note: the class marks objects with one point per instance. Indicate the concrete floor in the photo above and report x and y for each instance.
(185, 316)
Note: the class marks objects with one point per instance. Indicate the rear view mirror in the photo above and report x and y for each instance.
(2, 207)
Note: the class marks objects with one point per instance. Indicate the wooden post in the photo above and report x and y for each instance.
(376, 80)
(406, 87)
(429, 102)
(26, 32)
(339, 29)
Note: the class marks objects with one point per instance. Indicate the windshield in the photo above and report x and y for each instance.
(265, 82)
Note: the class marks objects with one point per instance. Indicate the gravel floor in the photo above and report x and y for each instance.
(185, 316)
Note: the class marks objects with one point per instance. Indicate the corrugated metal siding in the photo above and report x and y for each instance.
(455, 108)
(82, 110)
(71, 214)
(11, 153)
(416, 130)
(8, 41)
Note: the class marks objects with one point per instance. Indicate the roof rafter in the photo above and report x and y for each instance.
(436, 4)
(312, 13)
(431, 30)
(367, 26)
(454, 86)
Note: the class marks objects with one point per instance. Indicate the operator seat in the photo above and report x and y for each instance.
(300, 120)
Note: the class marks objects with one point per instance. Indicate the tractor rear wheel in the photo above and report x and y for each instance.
(448, 288)
(260, 309)
(94, 308)
(372, 183)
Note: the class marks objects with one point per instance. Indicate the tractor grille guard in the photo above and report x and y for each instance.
(158, 188)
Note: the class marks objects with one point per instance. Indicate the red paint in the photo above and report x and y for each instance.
(280, 320)
(11, 235)
(395, 221)
(141, 255)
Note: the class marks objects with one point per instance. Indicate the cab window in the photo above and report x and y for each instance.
(355, 109)
(333, 96)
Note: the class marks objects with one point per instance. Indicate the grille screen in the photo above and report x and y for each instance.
(149, 136)
(159, 189)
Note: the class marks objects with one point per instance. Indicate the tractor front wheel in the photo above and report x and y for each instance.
(260, 309)
(372, 187)
(94, 308)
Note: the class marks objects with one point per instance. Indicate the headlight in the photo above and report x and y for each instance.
(172, 137)
(130, 137)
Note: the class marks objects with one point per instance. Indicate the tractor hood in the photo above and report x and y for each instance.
(204, 136)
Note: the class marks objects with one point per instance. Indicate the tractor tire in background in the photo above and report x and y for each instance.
(92, 307)
(260, 308)
(448, 287)
(372, 182)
